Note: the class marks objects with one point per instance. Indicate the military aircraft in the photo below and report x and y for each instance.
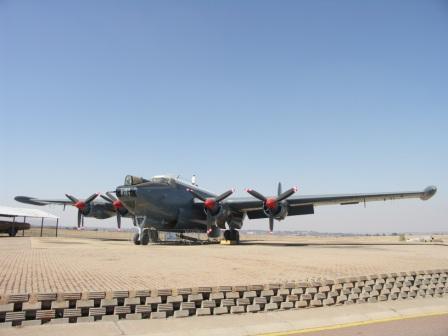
(89, 207)
(164, 203)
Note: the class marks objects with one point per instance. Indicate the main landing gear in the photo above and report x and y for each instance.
(232, 235)
(145, 237)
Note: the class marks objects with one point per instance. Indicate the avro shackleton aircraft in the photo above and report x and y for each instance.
(163, 203)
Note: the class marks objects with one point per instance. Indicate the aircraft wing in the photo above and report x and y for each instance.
(304, 204)
(38, 201)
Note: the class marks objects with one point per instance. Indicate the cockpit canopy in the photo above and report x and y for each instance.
(133, 180)
(160, 179)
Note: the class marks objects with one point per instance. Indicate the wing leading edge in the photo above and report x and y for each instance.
(250, 204)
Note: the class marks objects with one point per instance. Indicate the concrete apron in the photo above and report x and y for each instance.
(245, 324)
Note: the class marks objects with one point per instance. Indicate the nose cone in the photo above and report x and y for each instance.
(209, 203)
(271, 203)
(428, 193)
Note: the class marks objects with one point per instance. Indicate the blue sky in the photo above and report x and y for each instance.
(343, 96)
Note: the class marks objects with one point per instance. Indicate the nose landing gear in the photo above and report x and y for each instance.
(145, 236)
(232, 235)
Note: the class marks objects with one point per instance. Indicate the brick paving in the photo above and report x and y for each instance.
(31, 264)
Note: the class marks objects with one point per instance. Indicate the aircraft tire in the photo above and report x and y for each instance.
(144, 240)
(154, 236)
(12, 232)
(227, 235)
(136, 239)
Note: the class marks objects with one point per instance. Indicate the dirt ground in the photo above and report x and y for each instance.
(106, 261)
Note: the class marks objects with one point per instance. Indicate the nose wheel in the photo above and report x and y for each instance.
(232, 235)
(145, 236)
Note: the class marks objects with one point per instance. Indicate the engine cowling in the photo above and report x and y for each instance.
(279, 213)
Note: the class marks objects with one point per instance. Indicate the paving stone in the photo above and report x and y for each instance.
(292, 298)
(220, 310)
(181, 313)
(32, 306)
(14, 316)
(243, 302)
(297, 291)
(85, 304)
(208, 304)
(227, 302)
(307, 297)
(158, 315)
(150, 300)
(319, 296)
(98, 311)
(142, 309)
(59, 304)
(332, 294)
(132, 301)
(249, 294)
(109, 302)
(120, 310)
(260, 300)
(195, 297)
(276, 299)
(216, 296)
(236, 295)
(165, 307)
(310, 290)
(270, 306)
(85, 319)
(45, 314)
(237, 309)
(190, 306)
(301, 304)
(267, 293)
(316, 303)
(283, 292)
(110, 318)
(6, 307)
(13, 298)
(203, 311)
(76, 312)
(253, 308)
(287, 305)
(174, 299)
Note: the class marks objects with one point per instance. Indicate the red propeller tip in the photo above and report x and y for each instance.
(248, 189)
(296, 188)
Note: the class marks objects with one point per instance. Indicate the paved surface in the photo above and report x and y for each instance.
(275, 323)
(30, 264)
(417, 326)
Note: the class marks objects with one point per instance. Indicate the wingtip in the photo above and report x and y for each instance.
(428, 192)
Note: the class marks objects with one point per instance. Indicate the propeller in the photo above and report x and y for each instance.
(272, 205)
(118, 206)
(212, 205)
(82, 205)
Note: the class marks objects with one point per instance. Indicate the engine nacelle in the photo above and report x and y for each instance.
(279, 213)
(235, 220)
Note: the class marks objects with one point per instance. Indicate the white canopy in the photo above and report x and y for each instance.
(24, 212)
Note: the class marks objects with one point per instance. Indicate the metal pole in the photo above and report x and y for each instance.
(57, 224)
(41, 226)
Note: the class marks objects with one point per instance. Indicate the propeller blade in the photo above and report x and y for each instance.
(91, 198)
(279, 189)
(79, 218)
(111, 196)
(195, 194)
(119, 220)
(256, 194)
(271, 224)
(286, 194)
(106, 198)
(72, 198)
(209, 222)
(224, 195)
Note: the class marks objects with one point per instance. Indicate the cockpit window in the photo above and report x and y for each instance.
(132, 180)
